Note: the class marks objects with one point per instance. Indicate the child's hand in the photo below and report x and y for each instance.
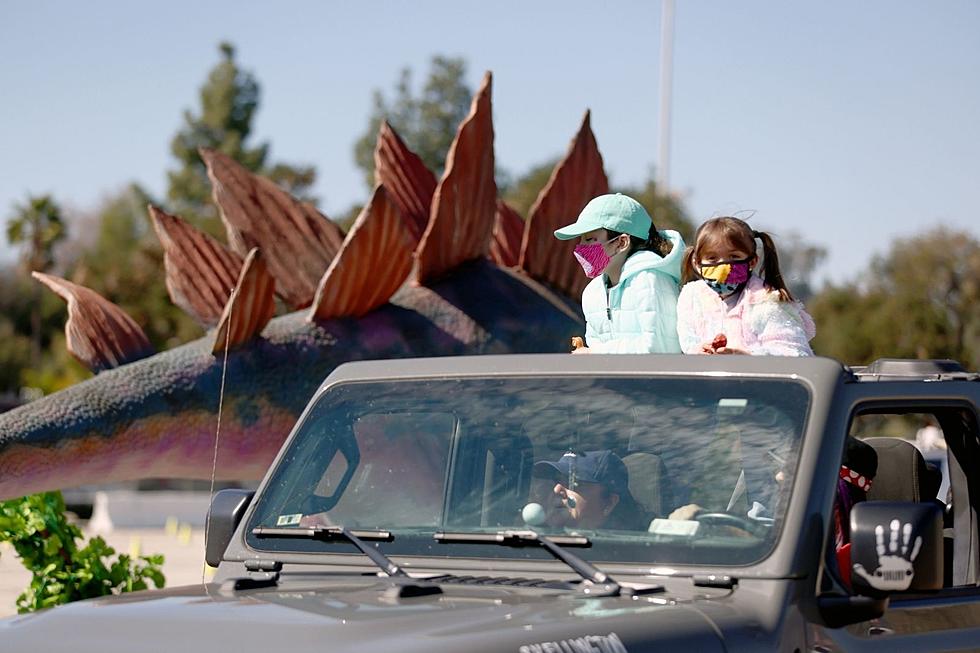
(715, 346)
(731, 350)
(720, 346)
(578, 346)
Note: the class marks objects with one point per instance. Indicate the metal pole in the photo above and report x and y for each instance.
(666, 79)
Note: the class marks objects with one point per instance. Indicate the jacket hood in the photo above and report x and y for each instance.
(647, 260)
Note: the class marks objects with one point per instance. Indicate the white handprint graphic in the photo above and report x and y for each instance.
(894, 570)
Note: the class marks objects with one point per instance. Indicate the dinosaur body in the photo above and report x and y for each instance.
(157, 417)
(419, 274)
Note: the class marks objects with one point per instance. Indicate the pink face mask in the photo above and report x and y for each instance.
(592, 258)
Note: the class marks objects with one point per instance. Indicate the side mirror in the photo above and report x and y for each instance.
(896, 546)
(224, 515)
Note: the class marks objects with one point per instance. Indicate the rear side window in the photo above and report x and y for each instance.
(923, 454)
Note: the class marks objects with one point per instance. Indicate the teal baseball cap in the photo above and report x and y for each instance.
(615, 212)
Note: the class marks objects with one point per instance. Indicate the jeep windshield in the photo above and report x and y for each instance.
(680, 470)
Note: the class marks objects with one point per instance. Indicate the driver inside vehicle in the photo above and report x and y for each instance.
(587, 490)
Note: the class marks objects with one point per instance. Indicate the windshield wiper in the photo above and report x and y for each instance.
(334, 533)
(586, 570)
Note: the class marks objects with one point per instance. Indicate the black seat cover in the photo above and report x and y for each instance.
(902, 473)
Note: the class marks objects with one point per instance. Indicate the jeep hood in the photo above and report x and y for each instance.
(364, 614)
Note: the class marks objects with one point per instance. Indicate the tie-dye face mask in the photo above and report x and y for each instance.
(726, 277)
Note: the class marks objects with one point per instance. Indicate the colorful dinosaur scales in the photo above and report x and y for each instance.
(201, 272)
(299, 242)
(156, 417)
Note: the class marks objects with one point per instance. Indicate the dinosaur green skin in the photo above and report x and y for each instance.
(157, 417)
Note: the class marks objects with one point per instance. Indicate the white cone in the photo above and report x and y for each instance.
(101, 522)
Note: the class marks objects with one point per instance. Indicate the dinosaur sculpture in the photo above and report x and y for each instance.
(428, 269)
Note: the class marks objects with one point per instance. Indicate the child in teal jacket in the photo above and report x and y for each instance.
(630, 305)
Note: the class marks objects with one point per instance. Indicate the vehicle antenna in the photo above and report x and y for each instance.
(217, 430)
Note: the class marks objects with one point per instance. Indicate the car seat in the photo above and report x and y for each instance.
(648, 482)
(902, 473)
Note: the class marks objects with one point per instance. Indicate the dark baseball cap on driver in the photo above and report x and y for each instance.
(602, 467)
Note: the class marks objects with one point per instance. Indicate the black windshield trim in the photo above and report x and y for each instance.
(334, 533)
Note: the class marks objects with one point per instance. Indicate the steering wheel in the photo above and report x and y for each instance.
(733, 520)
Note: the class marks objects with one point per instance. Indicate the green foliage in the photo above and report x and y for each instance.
(920, 300)
(427, 123)
(14, 356)
(48, 546)
(665, 209)
(38, 226)
(118, 255)
(124, 263)
(229, 100)
(798, 259)
(57, 369)
(20, 298)
(523, 192)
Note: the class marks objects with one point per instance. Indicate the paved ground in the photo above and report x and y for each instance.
(182, 546)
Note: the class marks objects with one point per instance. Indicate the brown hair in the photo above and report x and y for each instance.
(655, 242)
(732, 231)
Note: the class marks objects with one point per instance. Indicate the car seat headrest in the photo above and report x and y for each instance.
(902, 474)
(648, 482)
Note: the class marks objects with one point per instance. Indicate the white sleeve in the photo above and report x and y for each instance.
(686, 321)
(590, 338)
(785, 329)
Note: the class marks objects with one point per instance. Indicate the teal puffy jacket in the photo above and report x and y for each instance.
(639, 314)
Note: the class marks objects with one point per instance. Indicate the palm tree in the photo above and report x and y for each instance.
(37, 226)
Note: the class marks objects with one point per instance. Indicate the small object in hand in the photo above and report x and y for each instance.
(720, 342)
(533, 514)
(577, 342)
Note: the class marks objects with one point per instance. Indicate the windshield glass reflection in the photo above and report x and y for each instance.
(650, 469)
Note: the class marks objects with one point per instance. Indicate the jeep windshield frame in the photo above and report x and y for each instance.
(421, 456)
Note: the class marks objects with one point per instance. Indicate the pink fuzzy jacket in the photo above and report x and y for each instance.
(759, 323)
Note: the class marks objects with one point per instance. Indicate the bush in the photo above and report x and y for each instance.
(48, 546)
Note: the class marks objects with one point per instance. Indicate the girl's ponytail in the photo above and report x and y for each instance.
(656, 242)
(770, 267)
(688, 273)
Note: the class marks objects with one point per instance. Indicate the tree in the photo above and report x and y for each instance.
(124, 263)
(38, 226)
(522, 193)
(426, 123)
(665, 209)
(920, 300)
(798, 259)
(229, 100)
(932, 283)
(15, 351)
(19, 303)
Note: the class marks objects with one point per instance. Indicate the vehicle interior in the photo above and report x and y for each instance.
(928, 454)
(463, 458)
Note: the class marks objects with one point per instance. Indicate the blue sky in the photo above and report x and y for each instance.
(849, 123)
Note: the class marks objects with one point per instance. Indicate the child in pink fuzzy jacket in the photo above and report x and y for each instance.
(726, 308)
